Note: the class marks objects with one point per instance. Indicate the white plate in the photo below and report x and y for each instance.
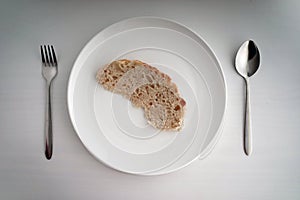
(115, 132)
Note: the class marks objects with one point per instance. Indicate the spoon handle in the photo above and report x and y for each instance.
(247, 128)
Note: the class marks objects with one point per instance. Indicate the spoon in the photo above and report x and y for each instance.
(247, 62)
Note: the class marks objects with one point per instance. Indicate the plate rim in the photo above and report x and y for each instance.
(210, 146)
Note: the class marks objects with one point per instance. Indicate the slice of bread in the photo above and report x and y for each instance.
(124, 76)
(164, 108)
(140, 75)
(110, 74)
(148, 88)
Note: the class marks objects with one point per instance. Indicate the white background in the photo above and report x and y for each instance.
(272, 172)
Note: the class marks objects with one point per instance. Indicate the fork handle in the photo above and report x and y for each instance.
(48, 124)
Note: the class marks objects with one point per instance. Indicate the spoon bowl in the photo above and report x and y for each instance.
(247, 59)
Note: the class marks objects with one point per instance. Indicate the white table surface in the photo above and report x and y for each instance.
(272, 172)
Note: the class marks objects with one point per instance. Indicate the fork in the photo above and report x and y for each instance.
(49, 71)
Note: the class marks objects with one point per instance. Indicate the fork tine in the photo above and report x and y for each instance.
(54, 56)
(47, 58)
(42, 54)
(50, 56)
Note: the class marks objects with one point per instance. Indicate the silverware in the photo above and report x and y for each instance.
(247, 62)
(49, 71)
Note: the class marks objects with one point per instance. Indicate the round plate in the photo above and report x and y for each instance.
(117, 133)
